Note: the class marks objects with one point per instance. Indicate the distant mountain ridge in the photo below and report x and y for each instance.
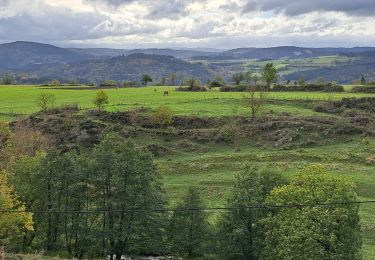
(22, 54)
(44, 62)
(121, 68)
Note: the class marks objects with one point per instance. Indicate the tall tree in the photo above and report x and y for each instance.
(125, 178)
(241, 231)
(269, 74)
(314, 232)
(13, 225)
(189, 228)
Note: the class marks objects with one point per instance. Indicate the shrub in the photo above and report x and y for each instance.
(309, 87)
(192, 89)
(108, 83)
(364, 89)
(163, 116)
(100, 100)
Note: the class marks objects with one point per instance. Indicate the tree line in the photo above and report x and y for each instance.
(110, 201)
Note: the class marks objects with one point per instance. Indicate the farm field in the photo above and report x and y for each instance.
(21, 100)
(210, 167)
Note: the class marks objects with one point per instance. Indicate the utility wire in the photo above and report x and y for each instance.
(254, 206)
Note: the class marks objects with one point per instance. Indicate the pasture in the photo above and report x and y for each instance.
(21, 100)
(211, 167)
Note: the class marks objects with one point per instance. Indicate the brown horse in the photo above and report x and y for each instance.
(166, 93)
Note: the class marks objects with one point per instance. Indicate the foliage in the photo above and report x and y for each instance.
(146, 79)
(269, 74)
(217, 82)
(54, 82)
(241, 231)
(314, 232)
(101, 99)
(364, 89)
(189, 230)
(4, 133)
(329, 87)
(163, 116)
(14, 226)
(115, 176)
(7, 79)
(109, 83)
(255, 100)
(45, 101)
(238, 78)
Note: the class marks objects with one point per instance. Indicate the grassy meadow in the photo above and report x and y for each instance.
(211, 168)
(21, 100)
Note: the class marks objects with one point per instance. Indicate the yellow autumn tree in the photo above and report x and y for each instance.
(14, 221)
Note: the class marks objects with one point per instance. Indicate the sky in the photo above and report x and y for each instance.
(221, 24)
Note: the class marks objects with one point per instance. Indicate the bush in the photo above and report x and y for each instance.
(130, 84)
(309, 87)
(192, 89)
(108, 83)
(242, 88)
(364, 89)
(163, 116)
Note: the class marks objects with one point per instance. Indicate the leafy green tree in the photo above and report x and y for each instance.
(189, 230)
(237, 78)
(125, 178)
(241, 230)
(269, 74)
(217, 82)
(314, 232)
(146, 79)
(14, 226)
(100, 100)
(193, 83)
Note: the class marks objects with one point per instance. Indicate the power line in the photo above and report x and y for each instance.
(254, 206)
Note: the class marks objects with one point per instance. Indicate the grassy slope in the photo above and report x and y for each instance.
(211, 168)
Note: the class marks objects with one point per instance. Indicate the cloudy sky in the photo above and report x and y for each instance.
(189, 23)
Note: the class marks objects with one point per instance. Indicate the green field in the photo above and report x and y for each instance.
(211, 167)
(22, 100)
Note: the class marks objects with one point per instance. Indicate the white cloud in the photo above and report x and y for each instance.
(190, 23)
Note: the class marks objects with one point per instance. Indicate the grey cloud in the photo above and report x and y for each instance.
(297, 7)
(171, 9)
